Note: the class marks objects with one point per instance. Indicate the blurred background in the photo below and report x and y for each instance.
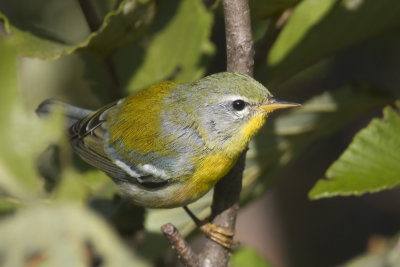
(339, 58)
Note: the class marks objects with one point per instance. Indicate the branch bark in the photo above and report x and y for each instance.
(239, 41)
(225, 206)
(240, 58)
(184, 251)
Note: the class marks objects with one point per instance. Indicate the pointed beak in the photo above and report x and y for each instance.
(273, 104)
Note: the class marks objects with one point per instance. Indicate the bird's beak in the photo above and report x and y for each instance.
(273, 104)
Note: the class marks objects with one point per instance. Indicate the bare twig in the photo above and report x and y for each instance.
(185, 253)
(240, 53)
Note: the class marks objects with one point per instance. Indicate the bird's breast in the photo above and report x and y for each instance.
(209, 170)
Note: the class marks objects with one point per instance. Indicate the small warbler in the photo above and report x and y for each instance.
(167, 145)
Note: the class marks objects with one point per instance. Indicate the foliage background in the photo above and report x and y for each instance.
(340, 58)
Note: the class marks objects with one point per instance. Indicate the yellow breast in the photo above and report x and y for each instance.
(209, 170)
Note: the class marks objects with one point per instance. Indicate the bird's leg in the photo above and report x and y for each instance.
(220, 235)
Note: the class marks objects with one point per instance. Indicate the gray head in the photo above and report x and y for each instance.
(226, 109)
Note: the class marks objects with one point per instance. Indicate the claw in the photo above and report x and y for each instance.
(220, 235)
(208, 227)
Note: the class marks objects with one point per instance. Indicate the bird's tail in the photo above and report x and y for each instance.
(72, 113)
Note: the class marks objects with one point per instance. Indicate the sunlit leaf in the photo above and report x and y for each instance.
(261, 9)
(23, 136)
(177, 48)
(369, 164)
(280, 144)
(316, 29)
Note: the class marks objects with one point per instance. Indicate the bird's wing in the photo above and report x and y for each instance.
(88, 138)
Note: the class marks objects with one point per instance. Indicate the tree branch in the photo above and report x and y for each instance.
(185, 253)
(239, 42)
(240, 58)
(225, 206)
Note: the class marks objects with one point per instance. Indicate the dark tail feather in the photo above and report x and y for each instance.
(72, 113)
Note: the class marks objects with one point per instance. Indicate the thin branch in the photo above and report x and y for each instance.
(239, 41)
(185, 253)
(240, 58)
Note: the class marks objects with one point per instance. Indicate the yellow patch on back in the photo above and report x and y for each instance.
(136, 121)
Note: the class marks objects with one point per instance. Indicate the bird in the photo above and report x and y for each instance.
(167, 145)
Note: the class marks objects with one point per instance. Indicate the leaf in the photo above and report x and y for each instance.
(23, 136)
(261, 9)
(120, 26)
(317, 29)
(176, 48)
(283, 140)
(369, 164)
(247, 256)
(61, 235)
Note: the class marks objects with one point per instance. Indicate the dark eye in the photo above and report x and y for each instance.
(238, 104)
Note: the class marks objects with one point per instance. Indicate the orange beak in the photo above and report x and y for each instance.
(272, 104)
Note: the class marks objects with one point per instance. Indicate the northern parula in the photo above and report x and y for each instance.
(168, 145)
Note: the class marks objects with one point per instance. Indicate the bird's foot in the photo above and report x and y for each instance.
(220, 235)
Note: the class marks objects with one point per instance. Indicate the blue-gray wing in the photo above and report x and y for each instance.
(88, 138)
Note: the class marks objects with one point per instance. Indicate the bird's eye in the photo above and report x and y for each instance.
(238, 104)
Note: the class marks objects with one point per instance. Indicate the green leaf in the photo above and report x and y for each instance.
(317, 29)
(369, 164)
(261, 9)
(177, 46)
(286, 138)
(122, 26)
(76, 187)
(23, 136)
(119, 27)
(247, 256)
(61, 235)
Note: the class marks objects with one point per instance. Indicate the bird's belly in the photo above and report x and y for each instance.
(185, 190)
(207, 174)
